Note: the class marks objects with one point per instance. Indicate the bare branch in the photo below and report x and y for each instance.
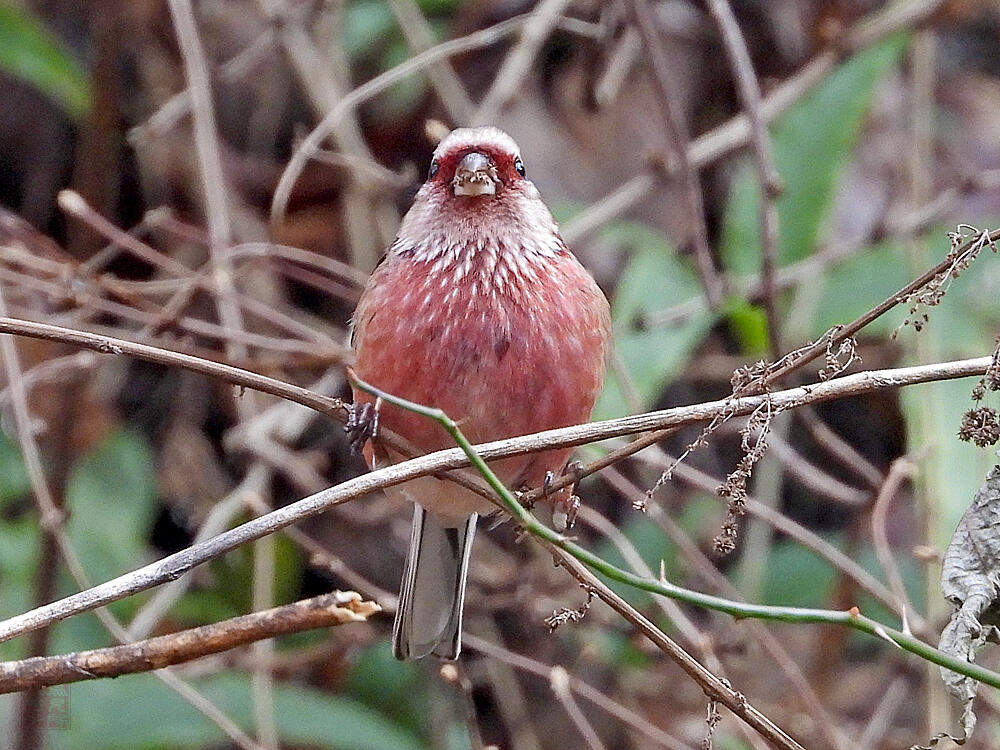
(769, 182)
(677, 132)
(328, 610)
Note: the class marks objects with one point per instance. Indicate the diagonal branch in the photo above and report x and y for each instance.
(337, 608)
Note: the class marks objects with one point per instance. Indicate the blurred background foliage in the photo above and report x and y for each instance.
(139, 455)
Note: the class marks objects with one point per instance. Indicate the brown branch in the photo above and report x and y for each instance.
(332, 407)
(714, 687)
(677, 133)
(768, 180)
(900, 472)
(337, 608)
(845, 332)
(583, 689)
(347, 102)
(699, 561)
(735, 133)
(537, 27)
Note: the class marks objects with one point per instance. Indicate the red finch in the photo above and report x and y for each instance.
(479, 309)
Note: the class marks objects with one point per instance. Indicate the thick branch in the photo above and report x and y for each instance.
(338, 608)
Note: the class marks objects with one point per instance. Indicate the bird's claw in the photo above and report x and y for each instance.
(524, 498)
(574, 469)
(550, 477)
(564, 507)
(564, 512)
(362, 424)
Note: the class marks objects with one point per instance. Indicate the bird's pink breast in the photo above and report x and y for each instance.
(503, 345)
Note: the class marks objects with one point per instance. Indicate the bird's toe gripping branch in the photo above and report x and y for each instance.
(362, 423)
(565, 505)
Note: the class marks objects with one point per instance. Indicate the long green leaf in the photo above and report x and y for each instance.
(29, 52)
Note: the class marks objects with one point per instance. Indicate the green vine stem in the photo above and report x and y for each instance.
(850, 618)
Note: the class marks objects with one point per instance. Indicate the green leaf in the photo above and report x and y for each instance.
(18, 562)
(812, 143)
(439, 7)
(851, 289)
(14, 482)
(138, 712)
(388, 685)
(29, 52)
(654, 280)
(111, 496)
(797, 577)
(367, 23)
(749, 322)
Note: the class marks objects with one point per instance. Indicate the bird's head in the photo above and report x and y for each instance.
(476, 162)
(477, 196)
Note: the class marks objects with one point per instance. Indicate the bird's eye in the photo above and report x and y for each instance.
(433, 170)
(519, 166)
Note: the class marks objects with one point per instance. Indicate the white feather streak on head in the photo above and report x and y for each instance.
(460, 138)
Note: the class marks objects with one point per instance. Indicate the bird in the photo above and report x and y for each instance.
(478, 308)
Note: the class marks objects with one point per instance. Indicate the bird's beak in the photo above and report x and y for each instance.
(475, 175)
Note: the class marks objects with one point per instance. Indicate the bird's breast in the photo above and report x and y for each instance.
(504, 344)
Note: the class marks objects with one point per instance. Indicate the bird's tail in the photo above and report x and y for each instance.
(429, 616)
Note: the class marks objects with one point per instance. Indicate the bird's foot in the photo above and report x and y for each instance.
(564, 506)
(524, 498)
(496, 519)
(362, 424)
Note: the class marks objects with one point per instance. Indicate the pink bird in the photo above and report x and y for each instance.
(479, 309)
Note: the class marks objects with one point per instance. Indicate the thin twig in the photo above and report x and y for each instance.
(322, 73)
(262, 651)
(714, 687)
(900, 471)
(735, 132)
(311, 143)
(676, 616)
(840, 450)
(205, 134)
(757, 630)
(454, 674)
(677, 132)
(213, 181)
(768, 180)
(559, 684)
(583, 689)
(892, 699)
(508, 80)
(170, 112)
(420, 37)
(226, 373)
(812, 477)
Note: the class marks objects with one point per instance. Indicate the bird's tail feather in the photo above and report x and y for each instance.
(429, 616)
